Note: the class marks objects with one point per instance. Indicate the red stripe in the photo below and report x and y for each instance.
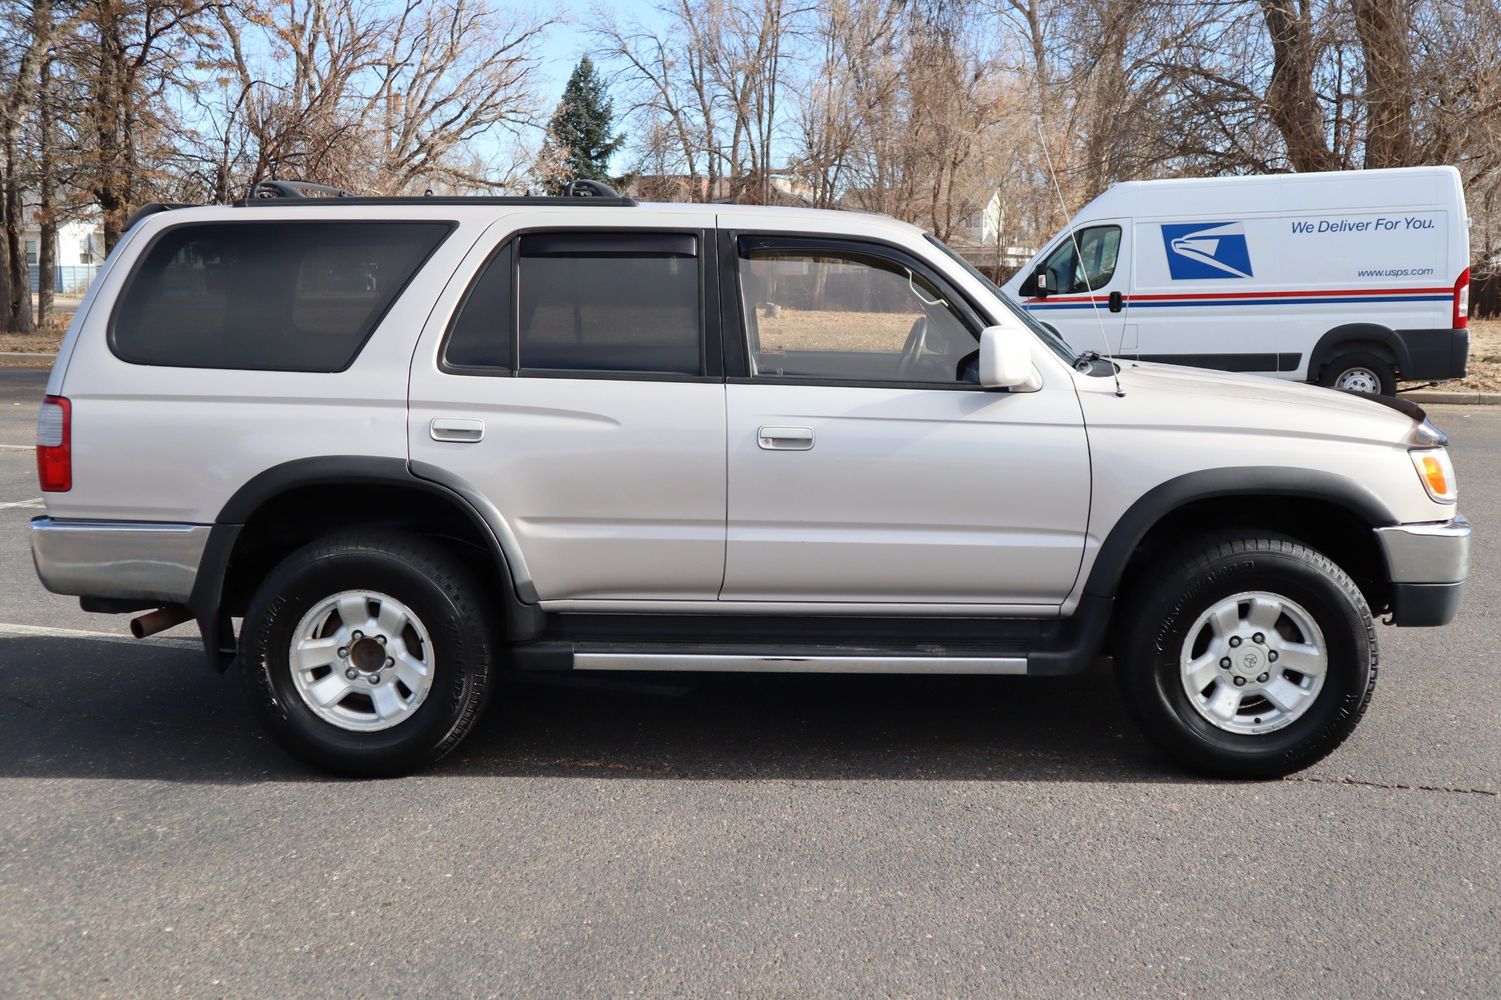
(1250, 295)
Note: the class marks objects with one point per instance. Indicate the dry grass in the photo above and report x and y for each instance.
(1485, 359)
(818, 330)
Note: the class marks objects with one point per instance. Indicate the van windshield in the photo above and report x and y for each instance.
(1048, 337)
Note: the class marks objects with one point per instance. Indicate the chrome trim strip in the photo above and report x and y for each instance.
(123, 559)
(1434, 552)
(758, 663)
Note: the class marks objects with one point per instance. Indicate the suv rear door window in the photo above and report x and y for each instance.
(610, 302)
(267, 296)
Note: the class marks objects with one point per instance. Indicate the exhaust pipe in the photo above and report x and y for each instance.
(159, 620)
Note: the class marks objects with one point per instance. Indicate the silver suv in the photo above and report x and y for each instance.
(412, 442)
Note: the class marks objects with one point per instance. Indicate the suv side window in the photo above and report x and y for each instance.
(266, 296)
(849, 315)
(481, 333)
(1099, 246)
(609, 302)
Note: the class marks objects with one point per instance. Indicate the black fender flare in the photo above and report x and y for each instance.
(523, 616)
(1331, 344)
(1206, 484)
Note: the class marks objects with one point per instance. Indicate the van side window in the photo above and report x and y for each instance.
(481, 333)
(266, 296)
(610, 302)
(1091, 268)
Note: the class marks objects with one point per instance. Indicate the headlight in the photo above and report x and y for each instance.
(1436, 472)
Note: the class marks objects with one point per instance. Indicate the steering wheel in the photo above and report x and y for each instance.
(917, 339)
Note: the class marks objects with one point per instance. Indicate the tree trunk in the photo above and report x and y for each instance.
(18, 305)
(46, 255)
(1291, 103)
(1382, 26)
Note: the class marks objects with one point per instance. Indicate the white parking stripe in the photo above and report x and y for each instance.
(37, 503)
(42, 631)
(18, 447)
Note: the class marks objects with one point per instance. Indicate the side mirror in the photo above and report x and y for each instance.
(1006, 359)
(1039, 283)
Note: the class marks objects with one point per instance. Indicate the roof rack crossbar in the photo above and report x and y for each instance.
(295, 189)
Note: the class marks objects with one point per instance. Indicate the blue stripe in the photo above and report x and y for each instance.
(1134, 304)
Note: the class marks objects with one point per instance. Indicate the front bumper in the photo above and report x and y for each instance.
(125, 560)
(1427, 565)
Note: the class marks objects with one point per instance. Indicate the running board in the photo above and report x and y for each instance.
(818, 664)
(832, 645)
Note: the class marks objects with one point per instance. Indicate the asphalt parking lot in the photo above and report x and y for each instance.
(757, 835)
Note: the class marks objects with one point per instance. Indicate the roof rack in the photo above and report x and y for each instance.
(295, 189)
(576, 192)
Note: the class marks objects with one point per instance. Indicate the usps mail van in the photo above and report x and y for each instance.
(1353, 279)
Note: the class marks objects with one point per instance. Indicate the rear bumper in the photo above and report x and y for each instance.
(1435, 354)
(1427, 565)
(126, 560)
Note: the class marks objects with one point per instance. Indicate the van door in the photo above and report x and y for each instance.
(566, 381)
(1088, 278)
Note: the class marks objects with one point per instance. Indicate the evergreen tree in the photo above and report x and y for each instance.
(579, 140)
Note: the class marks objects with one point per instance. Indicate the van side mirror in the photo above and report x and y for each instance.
(1006, 359)
(1036, 283)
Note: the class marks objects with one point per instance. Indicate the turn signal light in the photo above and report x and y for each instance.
(54, 445)
(1436, 472)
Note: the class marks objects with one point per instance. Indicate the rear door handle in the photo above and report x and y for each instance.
(461, 429)
(785, 438)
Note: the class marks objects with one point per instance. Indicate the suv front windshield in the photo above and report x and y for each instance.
(1050, 338)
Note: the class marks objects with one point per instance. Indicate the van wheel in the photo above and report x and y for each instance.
(1360, 371)
(1248, 657)
(367, 655)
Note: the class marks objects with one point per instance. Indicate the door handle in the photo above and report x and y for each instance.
(1115, 302)
(785, 438)
(461, 429)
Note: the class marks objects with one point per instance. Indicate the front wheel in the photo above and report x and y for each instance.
(1249, 657)
(367, 655)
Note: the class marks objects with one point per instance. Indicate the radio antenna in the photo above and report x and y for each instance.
(1073, 236)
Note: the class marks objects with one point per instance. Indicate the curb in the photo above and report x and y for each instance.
(1456, 398)
(24, 356)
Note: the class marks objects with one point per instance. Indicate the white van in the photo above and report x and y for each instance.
(1353, 279)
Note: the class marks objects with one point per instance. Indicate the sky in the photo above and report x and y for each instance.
(568, 42)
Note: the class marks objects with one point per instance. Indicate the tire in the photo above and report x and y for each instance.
(1167, 628)
(423, 613)
(1360, 371)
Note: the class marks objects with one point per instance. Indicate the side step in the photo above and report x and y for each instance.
(726, 644)
(821, 663)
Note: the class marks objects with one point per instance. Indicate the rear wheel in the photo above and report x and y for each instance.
(1360, 371)
(1249, 657)
(367, 655)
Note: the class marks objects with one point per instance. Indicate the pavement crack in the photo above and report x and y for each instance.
(1393, 787)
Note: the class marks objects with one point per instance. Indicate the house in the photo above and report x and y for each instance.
(79, 252)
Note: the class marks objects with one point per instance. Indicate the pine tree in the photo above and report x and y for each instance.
(579, 140)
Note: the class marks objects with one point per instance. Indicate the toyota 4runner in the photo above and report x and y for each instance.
(408, 443)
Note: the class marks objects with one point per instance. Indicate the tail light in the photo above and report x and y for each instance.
(54, 445)
(1462, 300)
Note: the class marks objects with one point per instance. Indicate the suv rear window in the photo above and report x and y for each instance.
(267, 296)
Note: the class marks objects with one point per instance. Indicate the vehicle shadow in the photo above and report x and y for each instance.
(91, 709)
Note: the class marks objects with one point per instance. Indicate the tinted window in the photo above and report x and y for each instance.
(273, 296)
(857, 317)
(481, 333)
(626, 302)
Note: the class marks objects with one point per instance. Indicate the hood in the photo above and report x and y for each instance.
(1205, 399)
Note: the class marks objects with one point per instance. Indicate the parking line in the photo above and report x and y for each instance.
(41, 631)
(37, 503)
(18, 447)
